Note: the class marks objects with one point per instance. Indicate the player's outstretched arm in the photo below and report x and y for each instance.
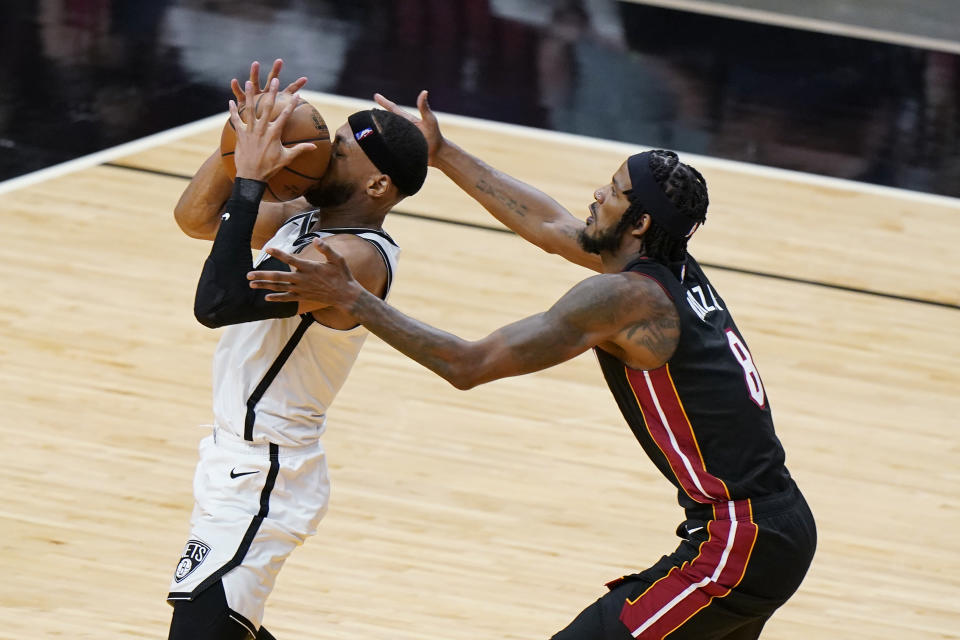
(609, 310)
(201, 204)
(529, 212)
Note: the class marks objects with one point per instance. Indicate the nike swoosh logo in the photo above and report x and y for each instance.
(694, 530)
(234, 474)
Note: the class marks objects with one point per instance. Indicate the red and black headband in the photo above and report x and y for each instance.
(645, 190)
(378, 149)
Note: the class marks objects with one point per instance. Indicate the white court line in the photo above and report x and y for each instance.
(94, 159)
(536, 135)
(807, 24)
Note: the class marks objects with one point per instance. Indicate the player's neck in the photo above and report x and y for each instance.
(629, 250)
(339, 217)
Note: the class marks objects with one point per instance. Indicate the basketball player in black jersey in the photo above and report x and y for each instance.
(677, 365)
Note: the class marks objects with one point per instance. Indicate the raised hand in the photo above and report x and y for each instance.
(259, 153)
(240, 95)
(427, 122)
(329, 283)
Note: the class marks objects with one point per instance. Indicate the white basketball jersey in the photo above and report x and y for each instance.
(273, 380)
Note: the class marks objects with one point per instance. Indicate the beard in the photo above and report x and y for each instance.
(604, 242)
(329, 194)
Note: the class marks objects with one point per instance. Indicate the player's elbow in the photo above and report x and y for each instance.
(463, 382)
(453, 371)
(211, 303)
(466, 373)
(210, 321)
(196, 233)
(218, 309)
(193, 230)
(553, 244)
(208, 315)
(194, 223)
(552, 249)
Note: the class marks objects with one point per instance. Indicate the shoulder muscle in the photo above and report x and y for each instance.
(652, 332)
(627, 314)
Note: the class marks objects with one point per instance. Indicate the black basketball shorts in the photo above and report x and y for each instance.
(738, 562)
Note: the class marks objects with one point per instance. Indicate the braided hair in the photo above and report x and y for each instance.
(686, 189)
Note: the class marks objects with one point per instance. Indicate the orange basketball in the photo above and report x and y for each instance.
(304, 125)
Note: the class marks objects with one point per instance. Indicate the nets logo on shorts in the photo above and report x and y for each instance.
(193, 555)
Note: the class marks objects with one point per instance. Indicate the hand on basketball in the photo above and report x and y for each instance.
(240, 94)
(259, 153)
(427, 122)
(328, 283)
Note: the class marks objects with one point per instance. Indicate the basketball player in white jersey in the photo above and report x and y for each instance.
(261, 483)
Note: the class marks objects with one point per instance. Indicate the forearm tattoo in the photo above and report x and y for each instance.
(503, 198)
(435, 349)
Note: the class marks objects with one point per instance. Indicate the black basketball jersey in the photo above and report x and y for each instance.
(704, 417)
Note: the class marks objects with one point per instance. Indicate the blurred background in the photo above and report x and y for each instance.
(867, 90)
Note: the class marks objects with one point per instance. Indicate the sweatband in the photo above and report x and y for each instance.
(383, 158)
(645, 190)
(223, 294)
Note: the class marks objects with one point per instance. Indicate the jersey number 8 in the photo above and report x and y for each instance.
(750, 373)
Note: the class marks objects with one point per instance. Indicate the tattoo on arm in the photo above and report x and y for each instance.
(509, 202)
(535, 343)
(523, 346)
(658, 335)
(436, 350)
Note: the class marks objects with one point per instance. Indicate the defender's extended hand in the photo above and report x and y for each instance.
(259, 152)
(427, 122)
(328, 283)
(239, 94)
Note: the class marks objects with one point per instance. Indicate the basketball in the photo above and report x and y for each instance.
(304, 125)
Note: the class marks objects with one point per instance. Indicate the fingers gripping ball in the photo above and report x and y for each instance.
(304, 125)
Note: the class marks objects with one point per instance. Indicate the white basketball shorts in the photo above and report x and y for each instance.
(254, 503)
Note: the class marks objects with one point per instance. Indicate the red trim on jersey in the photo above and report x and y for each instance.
(659, 284)
(718, 568)
(665, 416)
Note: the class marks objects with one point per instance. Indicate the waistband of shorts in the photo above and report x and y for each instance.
(749, 508)
(232, 442)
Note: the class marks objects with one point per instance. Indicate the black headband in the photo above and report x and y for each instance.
(644, 189)
(383, 158)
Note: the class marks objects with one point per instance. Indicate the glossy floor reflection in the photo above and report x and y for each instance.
(88, 75)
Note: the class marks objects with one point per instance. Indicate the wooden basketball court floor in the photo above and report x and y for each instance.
(498, 512)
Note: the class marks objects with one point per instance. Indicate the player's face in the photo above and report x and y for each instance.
(338, 184)
(609, 205)
(348, 163)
